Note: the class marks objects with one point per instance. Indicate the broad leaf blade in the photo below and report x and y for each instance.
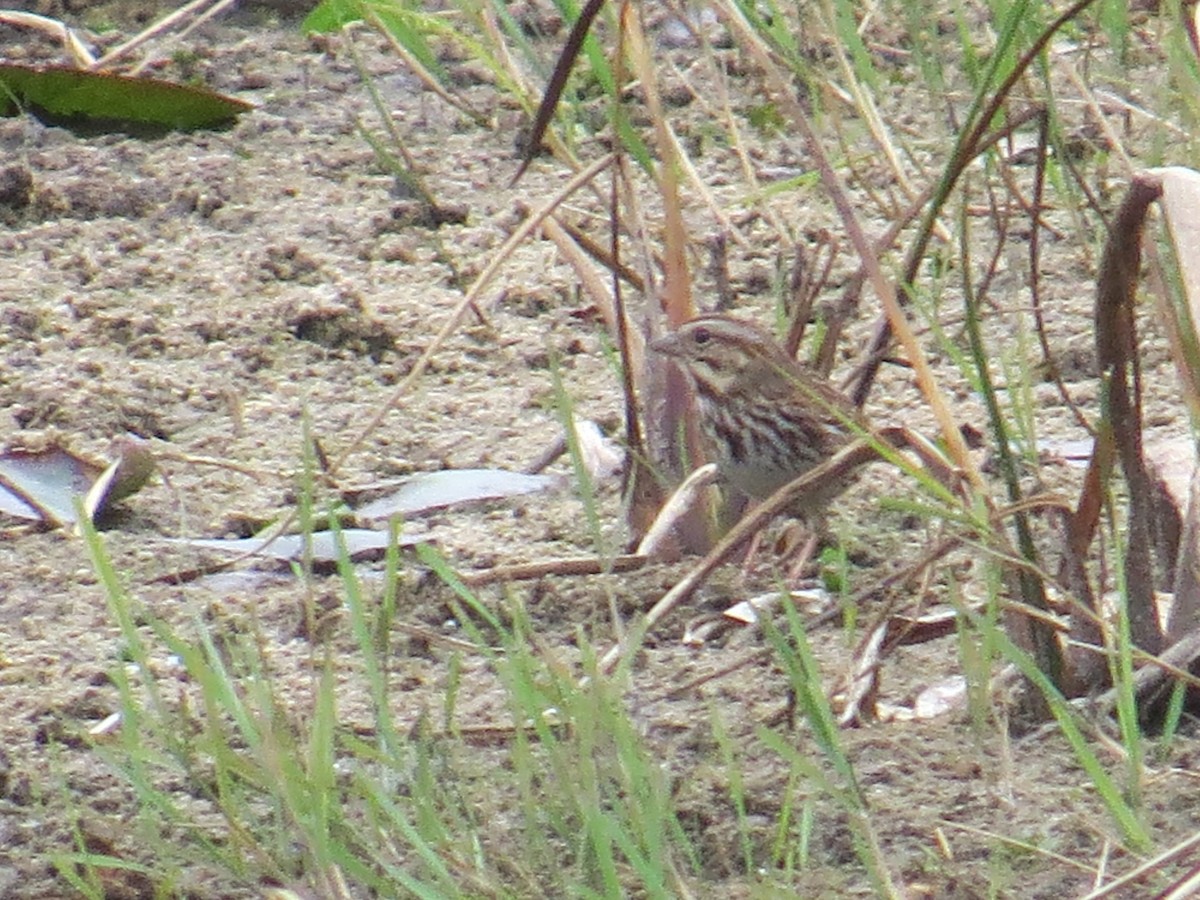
(103, 101)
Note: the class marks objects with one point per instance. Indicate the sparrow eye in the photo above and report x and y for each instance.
(701, 336)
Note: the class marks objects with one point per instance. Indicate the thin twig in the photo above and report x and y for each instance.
(160, 27)
(587, 565)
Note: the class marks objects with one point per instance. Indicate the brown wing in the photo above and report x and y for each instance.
(786, 381)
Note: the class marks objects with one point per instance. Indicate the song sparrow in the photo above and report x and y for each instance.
(769, 419)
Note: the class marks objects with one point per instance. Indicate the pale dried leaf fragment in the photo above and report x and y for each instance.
(1185, 610)
(1172, 462)
(321, 546)
(861, 697)
(106, 726)
(451, 487)
(939, 698)
(1181, 210)
(602, 457)
(42, 485)
(748, 612)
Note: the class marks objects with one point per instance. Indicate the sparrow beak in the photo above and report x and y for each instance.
(667, 345)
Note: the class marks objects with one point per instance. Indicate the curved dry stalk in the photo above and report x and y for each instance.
(838, 467)
(602, 256)
(1097, 115)
(1140, 874)
(163, 450)
(1175, 662)
(427, 78)
(678, 505)
(889, 584)
(625, 190)
(1117, 355)
(584, 565)
(83, 57)
(736, 144)
(848, 302)
(1035, 278)
(805, 284)
(499, 46)
(864, 105)
(75, 47)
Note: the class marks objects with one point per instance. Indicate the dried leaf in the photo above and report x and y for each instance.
(361, 545)
(42, 485)
(452, 487)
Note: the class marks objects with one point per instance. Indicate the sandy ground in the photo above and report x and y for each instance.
(209, 291)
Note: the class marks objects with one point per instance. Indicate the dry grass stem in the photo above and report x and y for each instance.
(469, 299)
(163, 25)
(427, 78)
(595, 287)
(581, 566)
(74, 47)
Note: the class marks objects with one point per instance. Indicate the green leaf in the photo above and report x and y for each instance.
(332, 15)
(100, 101)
